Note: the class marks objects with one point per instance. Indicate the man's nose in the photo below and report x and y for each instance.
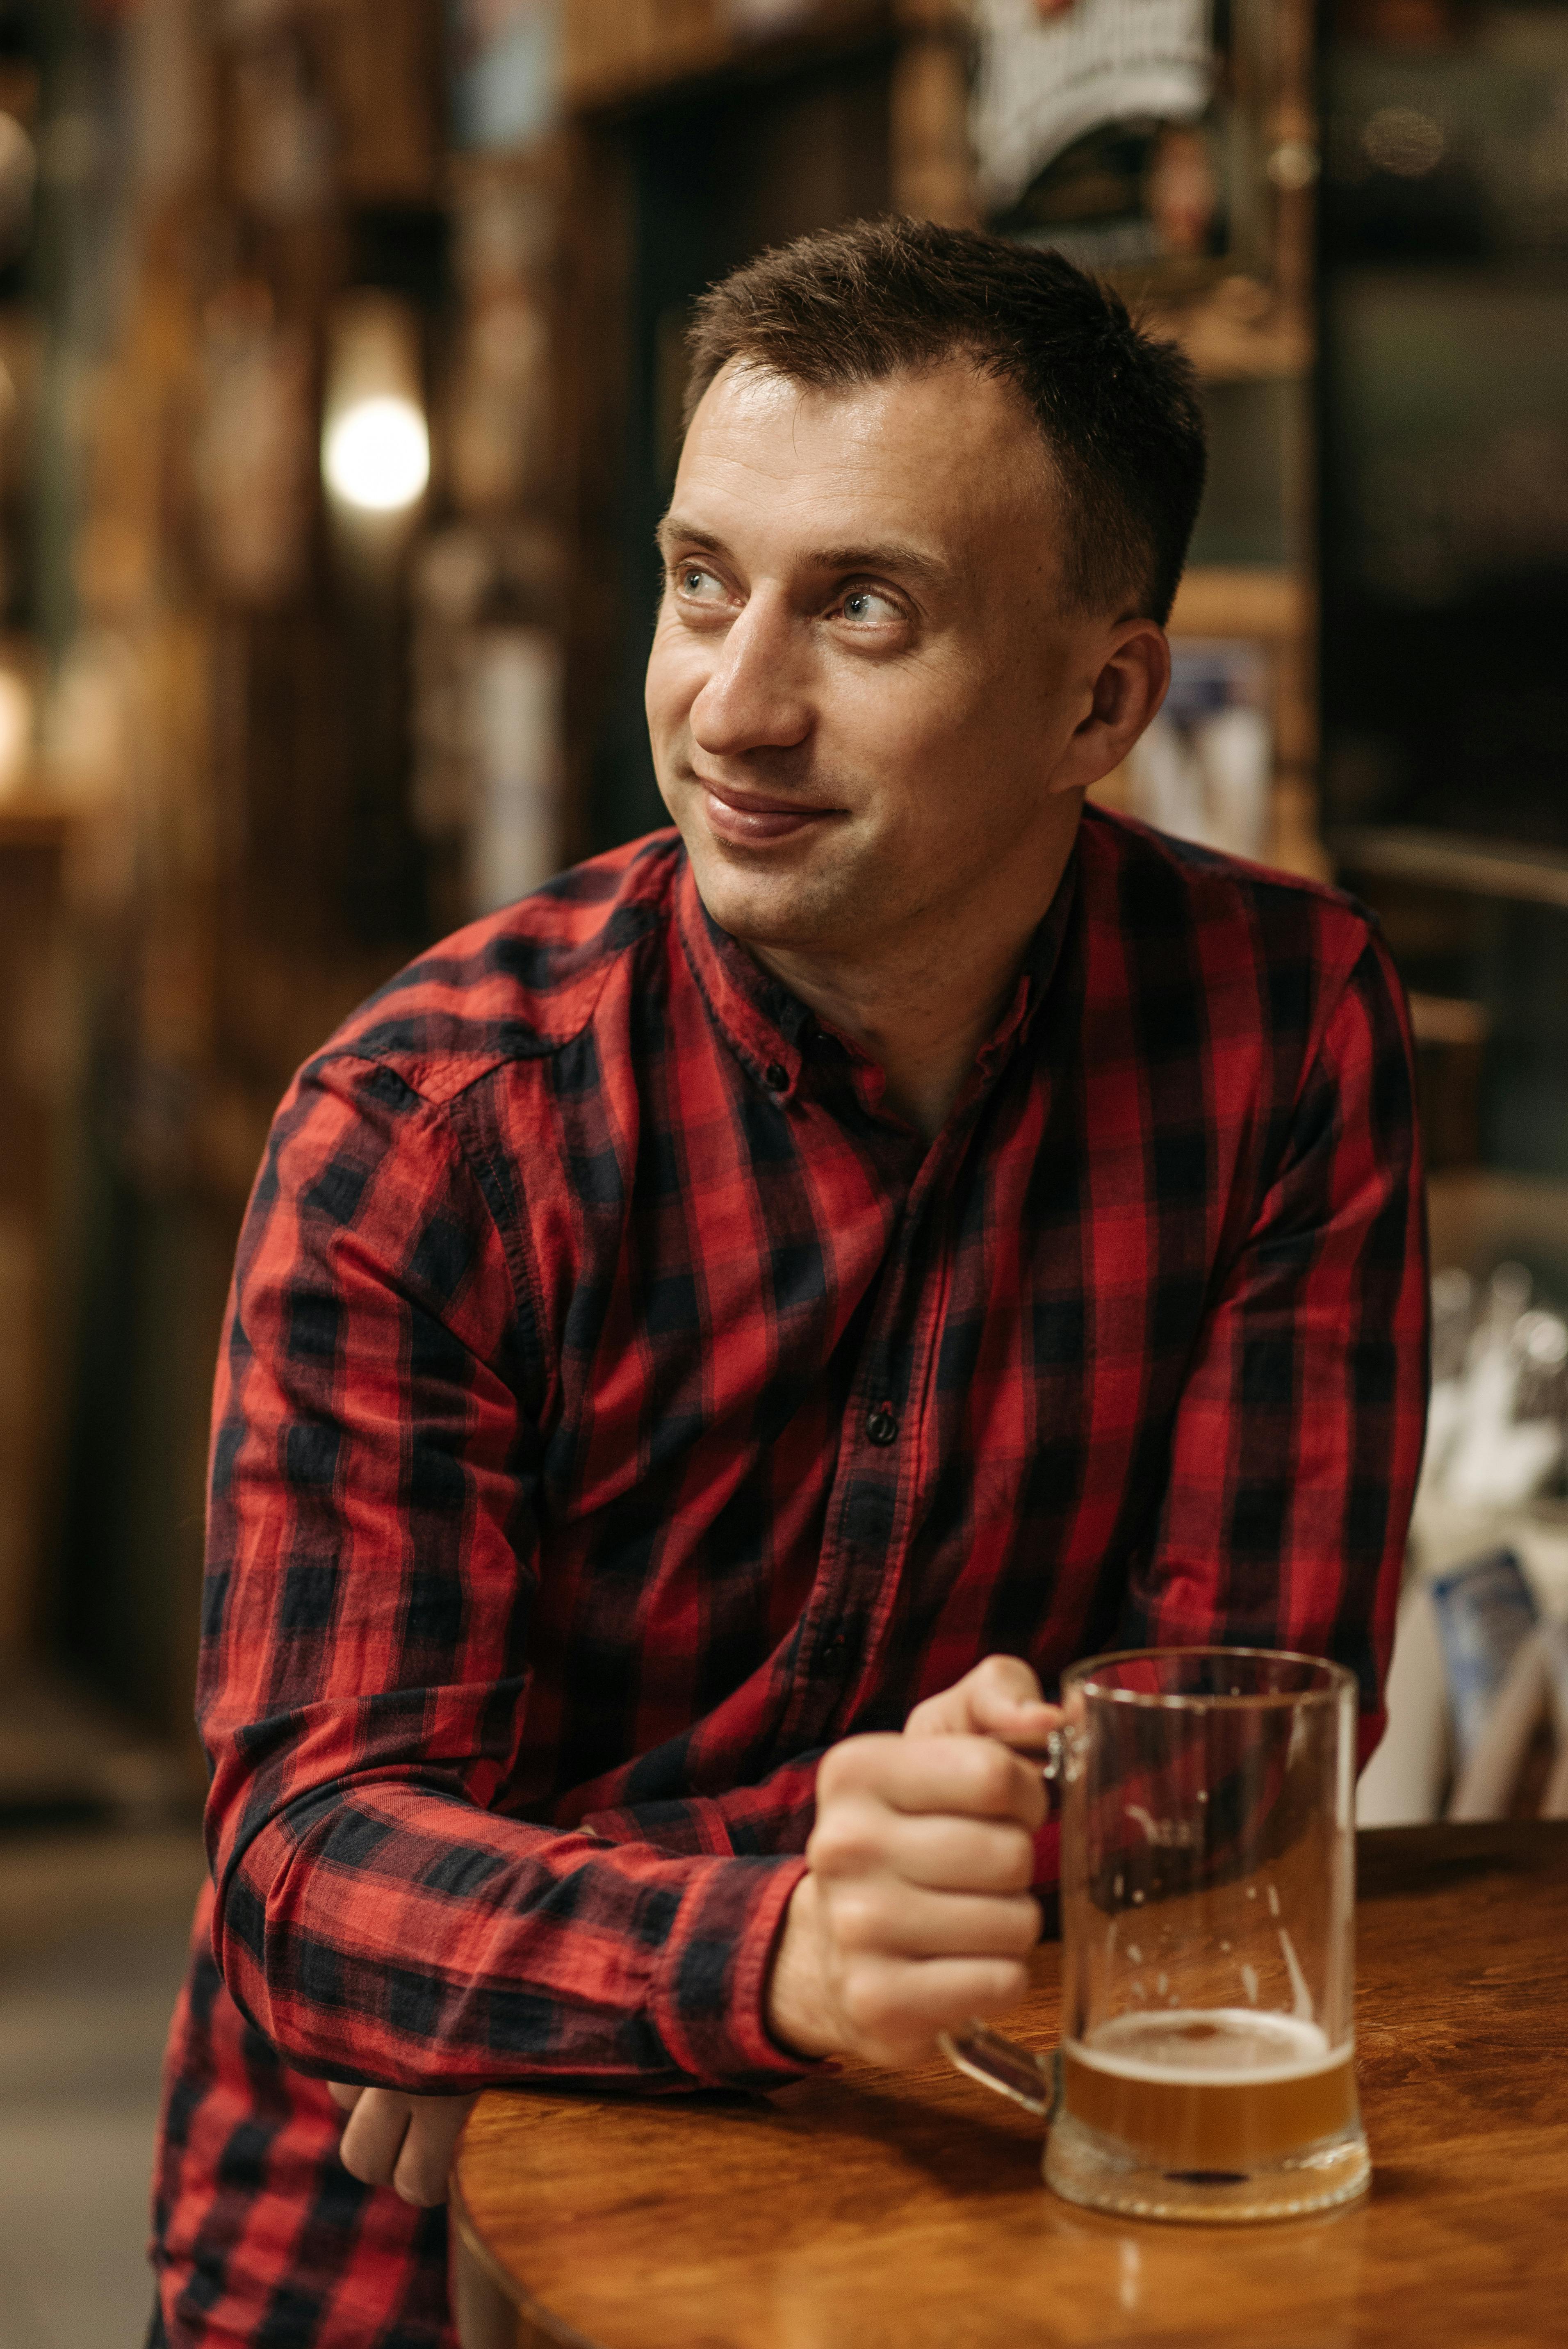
(754, 698)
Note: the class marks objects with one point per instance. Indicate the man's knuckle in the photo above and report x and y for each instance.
(852, 1922)
(820, 1846)
(842, 1842)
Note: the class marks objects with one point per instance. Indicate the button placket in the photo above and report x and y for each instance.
(881, 1423)
(859, 1579)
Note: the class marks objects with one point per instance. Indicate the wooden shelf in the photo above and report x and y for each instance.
(1454, 860)
(33, 824)
(1226, 345)
(1478, 1218)
(1249, 601)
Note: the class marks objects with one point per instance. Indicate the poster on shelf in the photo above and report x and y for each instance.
(1047, 80)
(1202, 770)
(506, 72)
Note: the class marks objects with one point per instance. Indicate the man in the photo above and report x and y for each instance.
(711, 1342)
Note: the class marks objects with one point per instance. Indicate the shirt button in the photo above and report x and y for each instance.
(776, 1076)
(881, 1425)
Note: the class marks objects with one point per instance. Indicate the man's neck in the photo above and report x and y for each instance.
(922, 1006)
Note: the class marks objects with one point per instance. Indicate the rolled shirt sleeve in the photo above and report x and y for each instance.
(1298, 1434)
(373, 1558)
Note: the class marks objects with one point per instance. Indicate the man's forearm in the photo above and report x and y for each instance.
(796, 2005)
(413, 1941)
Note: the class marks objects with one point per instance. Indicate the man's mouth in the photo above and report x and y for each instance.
(756, 819)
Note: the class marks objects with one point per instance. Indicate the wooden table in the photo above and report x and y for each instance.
(866, 2210)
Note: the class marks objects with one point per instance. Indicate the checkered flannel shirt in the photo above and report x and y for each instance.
(618, 1404)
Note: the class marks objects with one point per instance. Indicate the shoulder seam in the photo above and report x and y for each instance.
(1256, 875)
(526, 1296)
(388, 1056)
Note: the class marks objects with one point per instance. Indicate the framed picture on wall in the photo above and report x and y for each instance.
(1165, 144)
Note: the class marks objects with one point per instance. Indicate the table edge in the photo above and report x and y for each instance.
(548, 2325)
(1500, 1836)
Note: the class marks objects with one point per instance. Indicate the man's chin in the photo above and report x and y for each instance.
(781, 904)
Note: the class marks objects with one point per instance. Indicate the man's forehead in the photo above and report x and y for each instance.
(948, 403)
(911, 458)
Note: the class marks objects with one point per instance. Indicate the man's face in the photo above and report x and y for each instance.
(863, 681)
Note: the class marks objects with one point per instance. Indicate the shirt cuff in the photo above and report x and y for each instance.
(709, 1990)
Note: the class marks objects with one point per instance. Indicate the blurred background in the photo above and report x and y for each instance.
(340, 376)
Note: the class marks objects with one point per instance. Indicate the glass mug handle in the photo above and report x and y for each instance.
(998, 2062)
(1028, 2079)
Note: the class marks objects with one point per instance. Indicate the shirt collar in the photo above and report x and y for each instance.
(771, 1031)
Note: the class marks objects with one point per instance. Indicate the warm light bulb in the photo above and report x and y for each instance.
(377, 455)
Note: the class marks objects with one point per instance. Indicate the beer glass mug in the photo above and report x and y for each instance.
(1206, 2061)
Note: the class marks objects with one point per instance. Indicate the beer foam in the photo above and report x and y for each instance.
(1222, 2047)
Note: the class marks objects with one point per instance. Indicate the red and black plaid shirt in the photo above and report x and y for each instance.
(618, 1404)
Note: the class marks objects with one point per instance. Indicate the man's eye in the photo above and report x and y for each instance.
(866, 608)
(694, 582)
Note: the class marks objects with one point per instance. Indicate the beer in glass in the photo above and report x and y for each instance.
(1206, 2063)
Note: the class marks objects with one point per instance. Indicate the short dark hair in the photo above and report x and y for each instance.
(1118, 410)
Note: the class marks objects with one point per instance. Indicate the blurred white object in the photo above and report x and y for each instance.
(1495, 1431)
(1405, 1778)
(516, 689)
(1495, 1443)
(376, 441)
(1497, 1466)
(18, 180)
(1232, 751)
(1541, 1341)
(1485, 1610)
(1168, 782)
(1534, 1692)
(1042, 84)
(506, 71)
(1418, 1765)
(16, 717)
(1453, 1317)
(377, 455)
(1203, 771)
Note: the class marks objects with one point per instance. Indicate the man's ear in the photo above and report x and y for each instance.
(1130, 681)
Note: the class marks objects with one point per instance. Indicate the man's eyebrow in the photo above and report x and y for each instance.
(672, 528)
(894, 555)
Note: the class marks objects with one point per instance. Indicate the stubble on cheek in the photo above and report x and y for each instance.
(832, 900)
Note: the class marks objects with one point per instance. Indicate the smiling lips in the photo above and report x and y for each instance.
(745, 821)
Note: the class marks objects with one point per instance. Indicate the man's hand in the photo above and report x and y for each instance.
(404, 2142)
(915, 1912)
(1000, 1698)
